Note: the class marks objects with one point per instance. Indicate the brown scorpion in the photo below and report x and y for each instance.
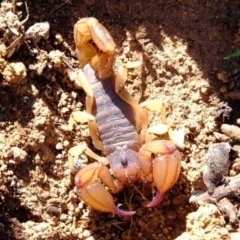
(118, 126)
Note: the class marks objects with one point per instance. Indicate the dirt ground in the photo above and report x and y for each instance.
(181, 45)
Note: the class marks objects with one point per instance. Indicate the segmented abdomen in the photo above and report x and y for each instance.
(115, 118)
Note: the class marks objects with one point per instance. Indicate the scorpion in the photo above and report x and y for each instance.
(118, 126)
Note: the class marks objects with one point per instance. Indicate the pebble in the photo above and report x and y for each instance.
(231, 131)
(64, 110)
(38, 31)
(238, 121)
(90, 238)
(54, 211)
(217, 165)
(66, 143)
(223, 76)
(205, 90)
(165, 230)
(15, 72)
(59, 37)
(40, 121)
(86, 233)
(18, 154)
(59, 146)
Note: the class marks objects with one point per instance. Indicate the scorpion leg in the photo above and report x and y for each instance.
(165, 166)
(76, 151)
(153, 105)
(83, 117)
(80, 80)
(91, 191)
(120, 80)
(177, 136)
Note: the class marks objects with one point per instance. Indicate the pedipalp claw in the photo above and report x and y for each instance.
(156, 200)
(97, 197)
(121, 212)
(166, 166)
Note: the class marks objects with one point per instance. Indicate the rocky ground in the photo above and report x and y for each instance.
(181, 46)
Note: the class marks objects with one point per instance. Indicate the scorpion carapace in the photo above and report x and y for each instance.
(118, 126)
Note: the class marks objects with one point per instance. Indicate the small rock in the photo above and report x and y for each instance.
(223, 76)
(18, 154)
(40, 121)
(59, 146)
(38, 31)
(217, 165)
(64, 110)
(59, 37)
(15, 73)
(54, 211)
(86, 233)
(66, 143)
(223, 112)
(228, 210)
(56, 58)
(231, 131)
(90, 238)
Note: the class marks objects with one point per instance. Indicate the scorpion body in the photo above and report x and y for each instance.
(118, 127)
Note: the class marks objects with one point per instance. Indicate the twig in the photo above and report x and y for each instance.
(230, 189)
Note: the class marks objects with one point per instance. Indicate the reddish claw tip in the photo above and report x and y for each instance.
(121, 212)
(78, 182)
(156, 200)
(170, 148)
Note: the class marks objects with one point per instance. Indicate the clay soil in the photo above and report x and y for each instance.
(180, 45)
